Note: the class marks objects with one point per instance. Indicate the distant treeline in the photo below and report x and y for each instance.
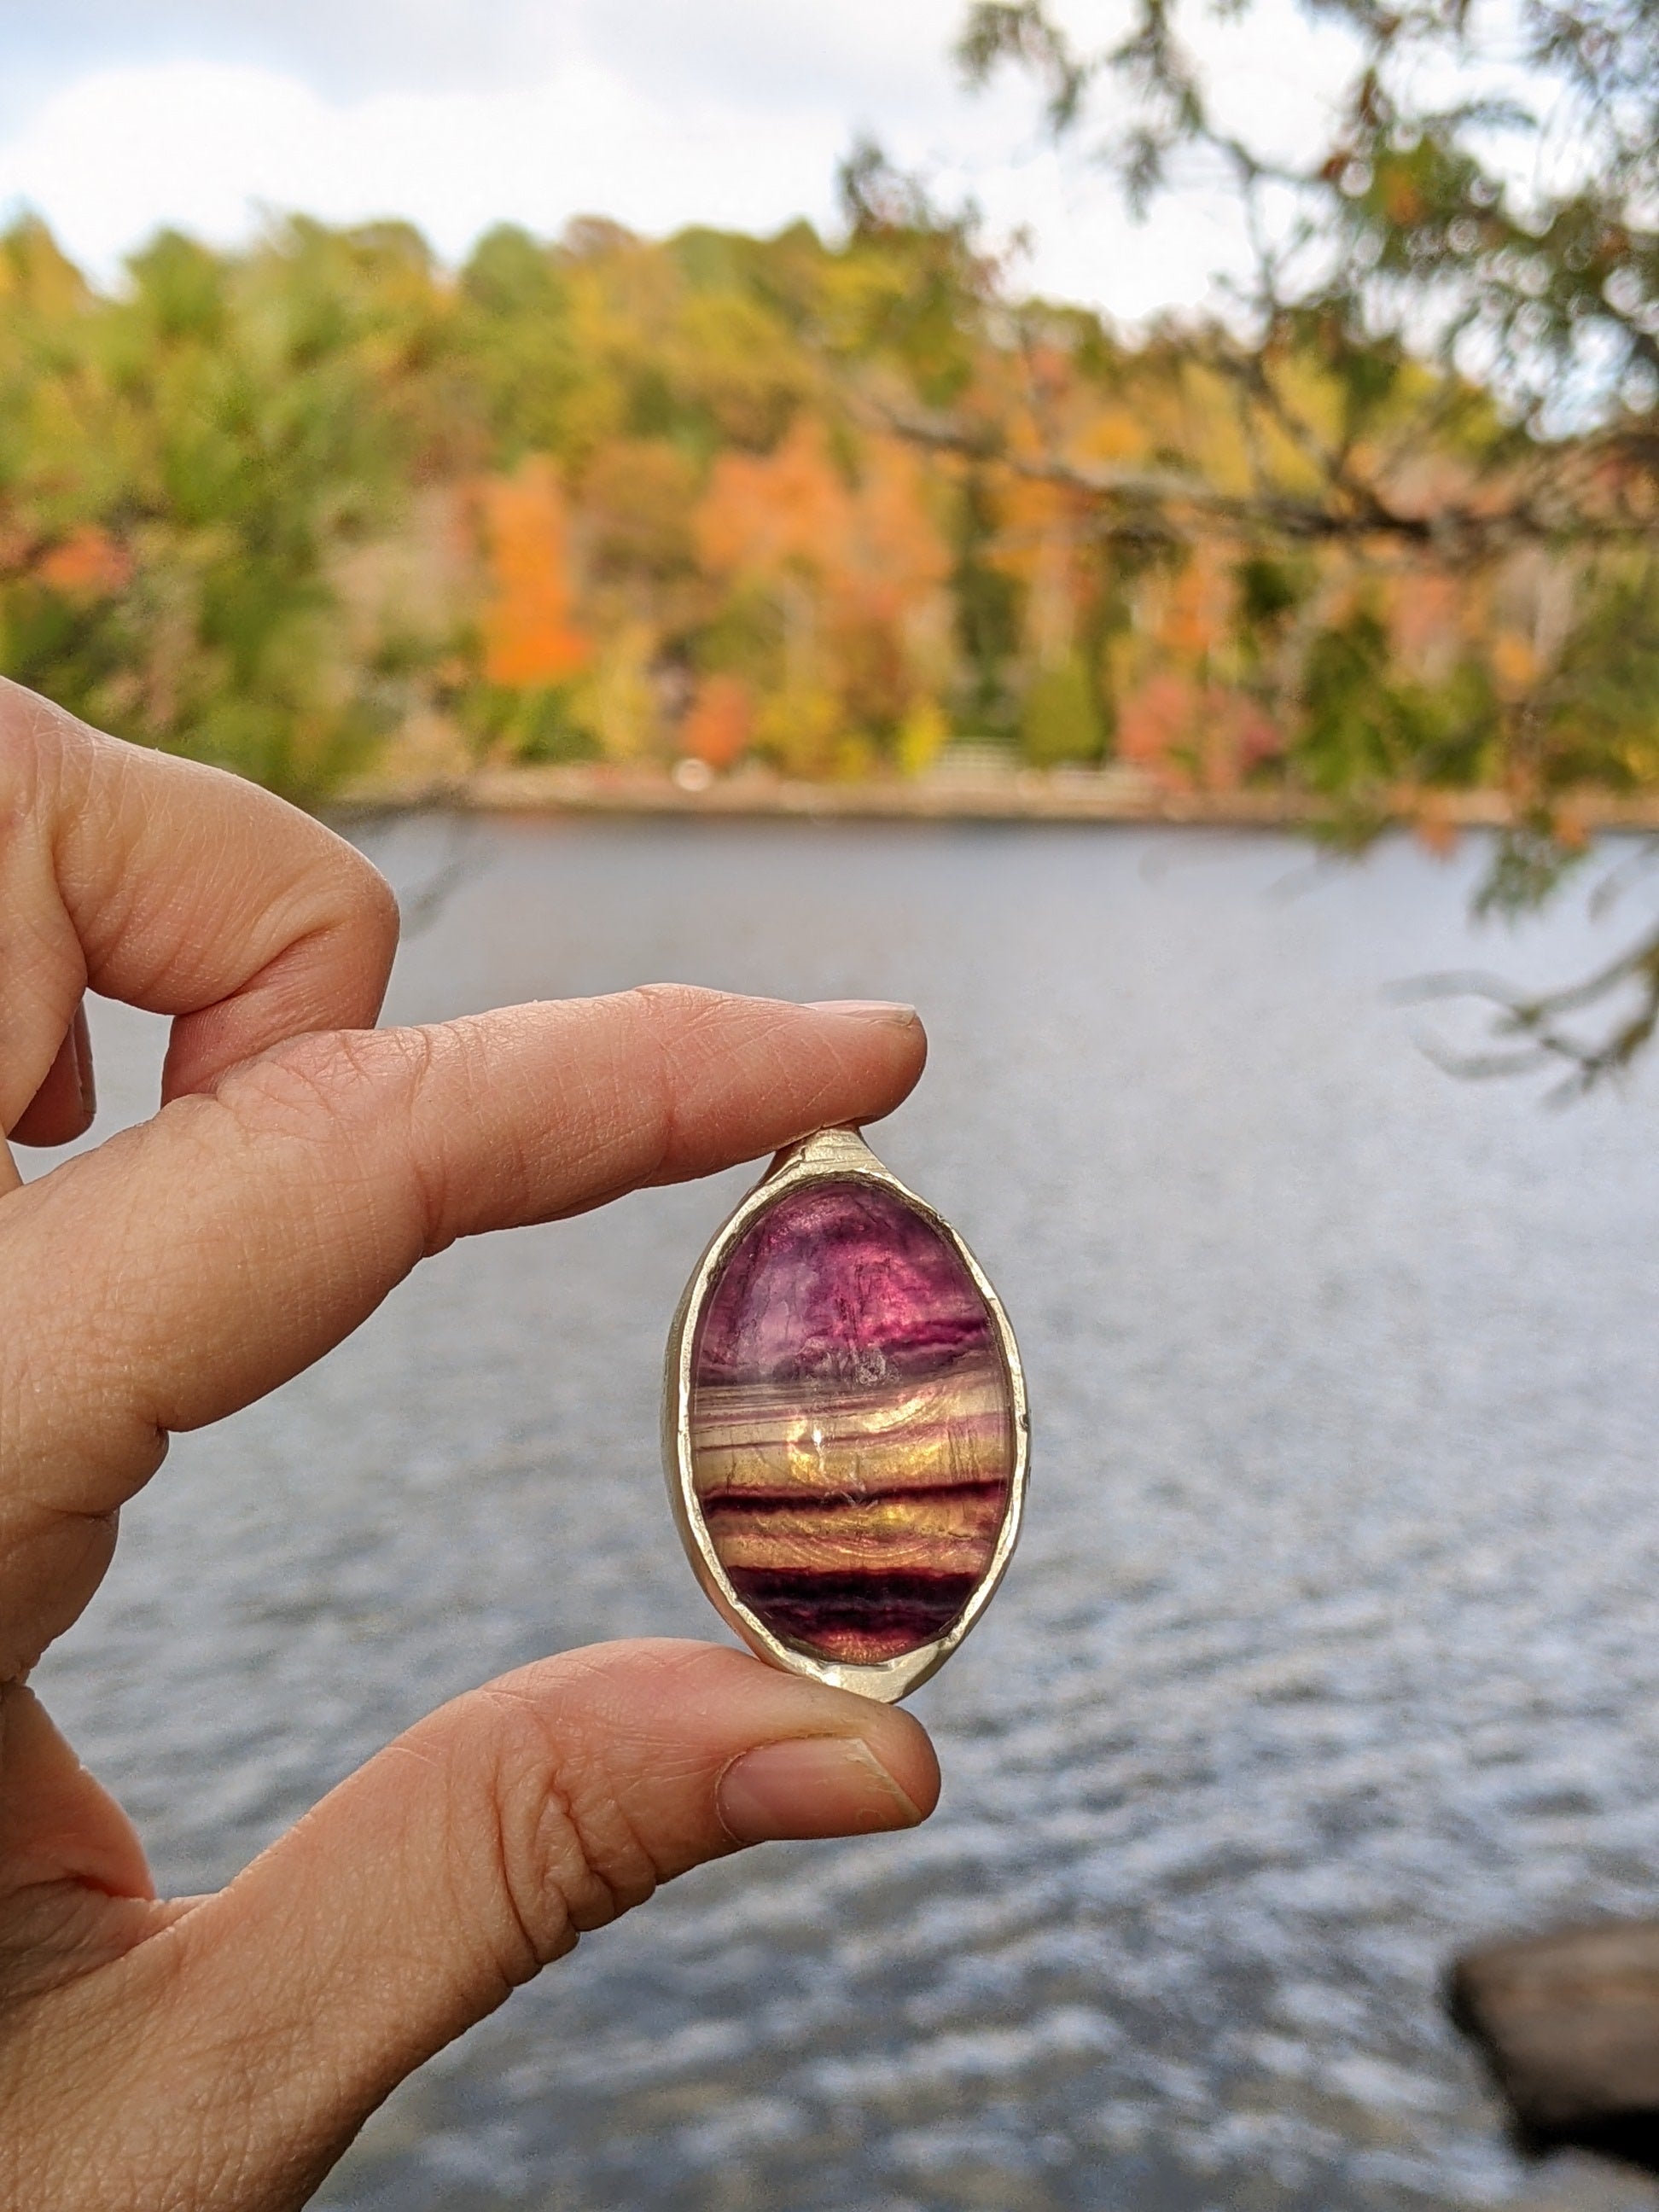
(825, 506)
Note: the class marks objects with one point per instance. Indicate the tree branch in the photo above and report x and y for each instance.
(1358, 513)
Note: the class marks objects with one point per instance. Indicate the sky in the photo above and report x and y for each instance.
(118, 116)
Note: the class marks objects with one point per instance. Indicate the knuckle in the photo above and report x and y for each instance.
(677, 1004)
(330, 1085)
(323, 887)
(566, 1859)
(357, 1094)
(675, 1013)
(17, 750)
(370, 901)
(30, 726)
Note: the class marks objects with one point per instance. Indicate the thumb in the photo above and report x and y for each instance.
(469, 1854)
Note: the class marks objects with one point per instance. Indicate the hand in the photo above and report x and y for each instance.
(222, 2052)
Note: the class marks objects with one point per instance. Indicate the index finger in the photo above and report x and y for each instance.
(188, 1266)
(177, 888)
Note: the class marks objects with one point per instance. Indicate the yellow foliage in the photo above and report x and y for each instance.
(922, 737)
(615, 698)
(799, 729)
(1514, 665)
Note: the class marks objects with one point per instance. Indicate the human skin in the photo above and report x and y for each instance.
(178, 2055)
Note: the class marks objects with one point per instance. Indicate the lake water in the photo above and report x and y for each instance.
(1333, 1645)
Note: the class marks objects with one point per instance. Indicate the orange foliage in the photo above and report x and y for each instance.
(764, 514)
(720, 721)
(874, 544)
(529, 636)
(1198, 609)
(87, 565)
(859, 566)
(897, 555)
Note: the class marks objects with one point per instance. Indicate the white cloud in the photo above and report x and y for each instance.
(203, 145)
(861, 49)
(659, 113)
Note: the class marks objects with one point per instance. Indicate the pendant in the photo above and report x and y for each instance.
(844, 1426)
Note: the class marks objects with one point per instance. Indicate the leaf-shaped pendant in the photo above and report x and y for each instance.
(845, 1427)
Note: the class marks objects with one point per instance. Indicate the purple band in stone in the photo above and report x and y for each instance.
(852, 1424)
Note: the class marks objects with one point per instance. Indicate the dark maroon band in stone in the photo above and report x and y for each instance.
(882, 1616)
(851, 1423)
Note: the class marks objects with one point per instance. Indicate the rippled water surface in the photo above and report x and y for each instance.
(1333, 1642)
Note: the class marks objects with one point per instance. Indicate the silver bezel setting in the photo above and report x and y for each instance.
(830, 1155)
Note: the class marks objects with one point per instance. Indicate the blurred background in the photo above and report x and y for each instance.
(560, 441)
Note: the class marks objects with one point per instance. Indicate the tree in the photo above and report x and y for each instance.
(188, 470)
(1489, 186)
(1443, 370)
(825, 502)
(835, 572)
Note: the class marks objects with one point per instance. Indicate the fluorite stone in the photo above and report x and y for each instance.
(851, 1423)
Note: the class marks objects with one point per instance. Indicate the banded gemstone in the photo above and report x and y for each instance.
(851, 1423)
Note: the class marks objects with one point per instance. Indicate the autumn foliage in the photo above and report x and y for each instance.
(778, 504)
(526, 632)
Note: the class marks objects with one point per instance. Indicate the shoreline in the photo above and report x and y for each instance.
(1110, 796)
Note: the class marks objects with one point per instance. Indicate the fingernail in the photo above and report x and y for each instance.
(83, 1049)
(821, 1786)
(889, 1011)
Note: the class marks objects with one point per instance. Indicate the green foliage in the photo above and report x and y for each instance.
(987, 605)
(923, 281)
(540, 723)
(1059, 720)
(1366, 727)
(1601, 712)
(189, 463)
(519, 343)
(1268, 590)
(1529, 865)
